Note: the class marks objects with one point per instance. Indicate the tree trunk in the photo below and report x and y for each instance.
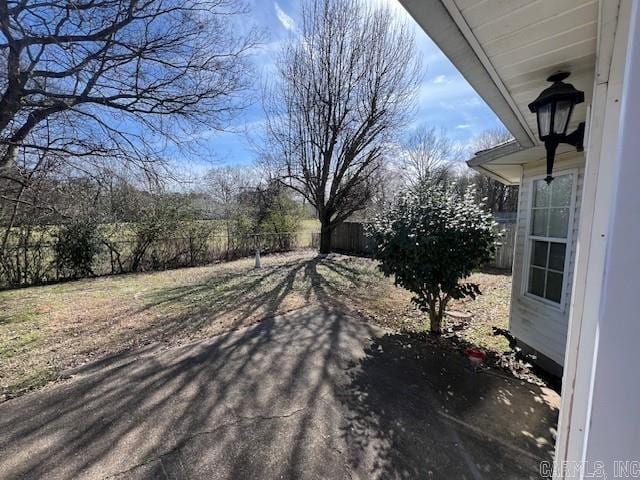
(435, 318)
(325, 238)
(435, 322)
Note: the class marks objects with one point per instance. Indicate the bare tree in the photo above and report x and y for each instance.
(114, 78)
(92, 88)
(224, 187)
(499, 197)
(346, 85)
(491, 138)
(428, 156)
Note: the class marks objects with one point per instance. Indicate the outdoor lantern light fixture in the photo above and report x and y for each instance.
(554, 107)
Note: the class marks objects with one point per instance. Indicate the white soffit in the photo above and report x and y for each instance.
(515, 45)
(526, 41)
(435, 19)
(507, 174)
(505, 162)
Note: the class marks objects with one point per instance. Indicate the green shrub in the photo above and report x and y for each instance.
(430, 239)
(158, 221)
(75, 248)
(281, 216)
(197, 234)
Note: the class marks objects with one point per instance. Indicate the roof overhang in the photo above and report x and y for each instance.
(437, 21)
(506, 50)
(506, 162)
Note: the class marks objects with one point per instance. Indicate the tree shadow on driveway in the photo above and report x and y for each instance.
(317, 393)
(248, 404)
(418, 411)
(219, 303)
(244, 404)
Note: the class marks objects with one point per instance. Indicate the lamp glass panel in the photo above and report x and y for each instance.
(562, 116)
(544, 119)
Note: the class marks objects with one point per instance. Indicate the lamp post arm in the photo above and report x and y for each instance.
(577, 138)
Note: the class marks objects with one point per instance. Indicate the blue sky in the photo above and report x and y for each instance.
(445, 99)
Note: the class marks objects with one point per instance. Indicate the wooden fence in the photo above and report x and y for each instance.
(349, 237)
(505, 246)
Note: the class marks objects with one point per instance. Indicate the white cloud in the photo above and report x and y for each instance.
(453, 92)
(285, 20)
(440, 79)
(394, 7)
(463, 125)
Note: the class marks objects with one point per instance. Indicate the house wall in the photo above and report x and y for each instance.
(613, 434)
(540, 325)
(602, 146)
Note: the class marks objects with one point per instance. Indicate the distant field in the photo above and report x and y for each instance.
(124, 231)
(310, 225)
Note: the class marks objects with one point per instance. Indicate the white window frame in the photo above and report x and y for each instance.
(530, 238)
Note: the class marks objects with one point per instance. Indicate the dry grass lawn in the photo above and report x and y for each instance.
(45, 330)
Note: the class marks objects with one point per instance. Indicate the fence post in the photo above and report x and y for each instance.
(258, 262)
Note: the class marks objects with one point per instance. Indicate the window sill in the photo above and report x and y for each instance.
(536, 301)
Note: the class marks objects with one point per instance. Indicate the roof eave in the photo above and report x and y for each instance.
(494, 175)
(483, 161)
(486, 156)
(446, 27)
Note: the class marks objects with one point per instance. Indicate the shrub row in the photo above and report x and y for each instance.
(80, 250)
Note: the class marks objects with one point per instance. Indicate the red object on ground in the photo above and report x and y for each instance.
(475, 354)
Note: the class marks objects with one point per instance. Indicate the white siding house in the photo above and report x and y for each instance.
(541, 287)
(577, 253)
(545, 246)
(506, 50)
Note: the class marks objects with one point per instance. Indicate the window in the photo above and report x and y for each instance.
(550, 213)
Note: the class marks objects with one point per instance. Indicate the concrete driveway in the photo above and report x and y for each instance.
(312, 394)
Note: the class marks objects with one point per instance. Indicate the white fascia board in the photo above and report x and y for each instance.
(494, 175)
(444, 24)
(503, 161)
(486, 156)
(482, 161)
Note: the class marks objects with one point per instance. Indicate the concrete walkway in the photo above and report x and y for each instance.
(313, 394)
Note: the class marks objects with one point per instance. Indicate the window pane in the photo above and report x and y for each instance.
(561, 188)
(536, 281)
(539, 226)
(541, 193)
(539, 253)
(554, 287)
(556, 256)
(558, 222)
